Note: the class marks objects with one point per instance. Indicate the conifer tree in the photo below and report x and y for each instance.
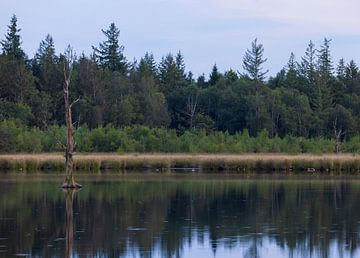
(110, 53)
(340, 69)
(307, 66)
(11, 44)
(214, 76)
(253, 60)
(45, 67)
(325, 89)
(325, 66)
(172, 72)
(147, 65)
(292, 73)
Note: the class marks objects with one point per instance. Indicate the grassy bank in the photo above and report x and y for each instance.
(268, 163)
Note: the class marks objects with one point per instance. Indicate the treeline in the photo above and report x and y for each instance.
(309, 98)
(141, 139)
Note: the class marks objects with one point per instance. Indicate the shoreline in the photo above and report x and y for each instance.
(207, 163)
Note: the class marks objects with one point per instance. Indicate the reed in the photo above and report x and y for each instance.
(246, 163)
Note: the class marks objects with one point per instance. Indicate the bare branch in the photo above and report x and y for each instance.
(74, 102)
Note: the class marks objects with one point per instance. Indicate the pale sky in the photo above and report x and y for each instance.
(206, 31)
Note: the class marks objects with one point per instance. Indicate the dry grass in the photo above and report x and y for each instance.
(207, 162)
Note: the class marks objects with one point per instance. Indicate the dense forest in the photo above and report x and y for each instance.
(310, 98)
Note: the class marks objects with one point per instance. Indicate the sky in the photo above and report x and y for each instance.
(205, 31)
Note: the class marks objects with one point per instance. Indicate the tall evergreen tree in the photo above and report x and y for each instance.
(180, 64)
(291, 78)
(340, 70)
(352, 78)
(172, 72)
(45, 67)
(147, 65)
(307, 65)
(325, 65)
(253, 61)
(325, 87)
(214, 76)
(110, 53)
(11, 46)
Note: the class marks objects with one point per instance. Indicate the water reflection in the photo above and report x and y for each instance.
(69, 199)
(133, 217)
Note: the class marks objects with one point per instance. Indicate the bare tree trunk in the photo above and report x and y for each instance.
(70, 144)
(191, 106)
(337, 133)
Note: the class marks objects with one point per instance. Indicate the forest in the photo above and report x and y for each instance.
(313, 100)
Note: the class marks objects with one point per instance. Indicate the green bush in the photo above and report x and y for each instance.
(15, 137)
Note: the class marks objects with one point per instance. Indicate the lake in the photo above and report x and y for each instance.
(147, 215)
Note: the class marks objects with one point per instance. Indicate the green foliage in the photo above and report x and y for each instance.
(12, 42)
(149, 106)
(253, 60)
(110, 53)
(16, 137)
(16, 111)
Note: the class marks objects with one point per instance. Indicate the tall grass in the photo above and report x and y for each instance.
(263, 163)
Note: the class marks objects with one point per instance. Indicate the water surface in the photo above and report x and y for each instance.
(183, 216)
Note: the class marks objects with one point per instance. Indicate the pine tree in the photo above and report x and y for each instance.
(325, 88)
(340, 70)
(291, 65)
(307, 66)
(214, 76)
(11, 44)
(172, 72)
(253, 60)
(231, 76)
(45, 67)
(109, 53)
(46, 49)
(325, 66)
(147, 65)
(292, 73)
(352, 78)
(180, 64)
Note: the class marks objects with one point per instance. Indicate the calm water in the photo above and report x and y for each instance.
(149, 216)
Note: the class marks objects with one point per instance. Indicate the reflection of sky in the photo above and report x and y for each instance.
(206, 31)
(267, 248)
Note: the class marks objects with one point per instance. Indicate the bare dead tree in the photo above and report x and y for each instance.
(191, 105)
(69, 59)
(338, 133)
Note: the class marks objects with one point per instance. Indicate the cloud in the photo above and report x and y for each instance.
(329, 15)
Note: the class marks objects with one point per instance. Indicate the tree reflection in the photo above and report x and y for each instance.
(118, 218)
(69, 199)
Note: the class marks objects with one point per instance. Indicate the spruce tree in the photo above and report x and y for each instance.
(109, 54)
(147, 65)
(325, 88)
(214, 76)
(292, 73)
(340, 70)
(325, 66)
(307, 66)
(172, 72)
(253, 60)
(11, 44)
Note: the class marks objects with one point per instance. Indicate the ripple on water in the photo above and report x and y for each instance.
(59, 239)
(136, 229)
